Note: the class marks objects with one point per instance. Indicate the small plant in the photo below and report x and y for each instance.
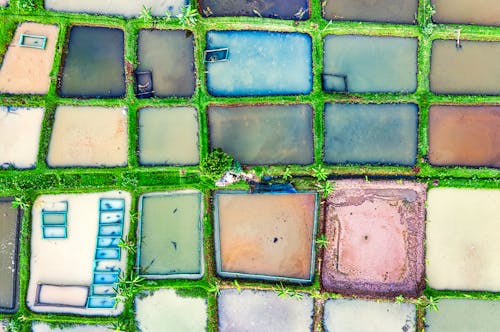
(120, 326)
(325, 189)
(146, 14)
(237, 285)
(236, 168)
(214, 287)
(216, 164)
(128, 245)
(322, 241)
(127, 288)
(188, 16)
(20, 202)
(26, 5)
(427, 24)
(320, 173)
(429, 303)
(287, 292)
(287, 175)
(399, 299)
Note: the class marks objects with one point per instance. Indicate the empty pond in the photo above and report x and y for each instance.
(282, 9)
(390, 11)
(169, 136)
(259, 63)
(371, 134)
(266, 134)
(168, 55)
(472, 68)
(127, 8)
(464, 135)
(164, 310)
(10, 225)
(27, 69)
(94, 64)
(265, 236)
(88, 136)
(170, 239)
(20, 136)
(355, 63)
(257, 311)
(485, 12)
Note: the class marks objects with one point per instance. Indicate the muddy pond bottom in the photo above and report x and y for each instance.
(386, 11)
(10, 224)
(281, 9)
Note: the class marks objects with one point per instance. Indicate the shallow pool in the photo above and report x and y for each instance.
(390, 11)
(264, 134)
(282, 9)
(355, 63)
(472, 68)
(371, 134)
(94, 64)
(260, 63)
(9, 229)
(485, 12)
(168, 54)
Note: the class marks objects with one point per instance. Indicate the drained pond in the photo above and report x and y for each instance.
(389, 11)
(9, 229)
(283, 9)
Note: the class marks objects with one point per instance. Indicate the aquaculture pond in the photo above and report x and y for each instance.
(170, 235)
(168, 136)
(168, 55)
(10, 224)
(19, 136)
(282, 9)
(470, 67)
(388, 11)
(88, 136)
(369, 133)
(258, 63)
(484, 12)
(264, 134)
(265, 236)
(94, 64)
(127, 8)
(355, 63)
(464, 135)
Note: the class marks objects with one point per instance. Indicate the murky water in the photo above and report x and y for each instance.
(271, 134)
(485, 12)
(168, 54)
(464, 135)
(371, 134)
(171, 234)
(9, 228)
(127, 8)
(282, 9)
(265, 234)
(94, 65)
(260, 63)
(473, 68)
(390, 11)
(169, 136)
(463, 315)
(369, 64)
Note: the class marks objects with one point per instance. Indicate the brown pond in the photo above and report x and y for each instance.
(464, 135)
(485, 12)
(472, 68)
(390, 11)
(9, 228)
(266, 234)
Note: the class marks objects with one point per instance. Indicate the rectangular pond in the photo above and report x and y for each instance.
(265, 236)
(127, 8)
(484, 12)
(471, 68)
(386, 11)
(355, 63)
(260, 63)
(281, 9)
(169, 136)
(170, 235)
(168, 55)
(464, 135)
(263, 134)
(10, 225)
(371, 133)
(94, 63)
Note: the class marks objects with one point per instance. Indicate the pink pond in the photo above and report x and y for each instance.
(375, 233)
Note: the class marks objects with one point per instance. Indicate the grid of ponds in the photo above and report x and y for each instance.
(356, 89)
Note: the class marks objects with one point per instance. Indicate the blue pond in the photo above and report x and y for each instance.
(371, 134)
(260, 63)
(369, 64)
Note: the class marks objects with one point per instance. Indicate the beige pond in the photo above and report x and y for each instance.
(20, 136)
(462, 239)
(25, 69)
(485, 12)
(89, 137)
(62, 270)
(164, 310)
